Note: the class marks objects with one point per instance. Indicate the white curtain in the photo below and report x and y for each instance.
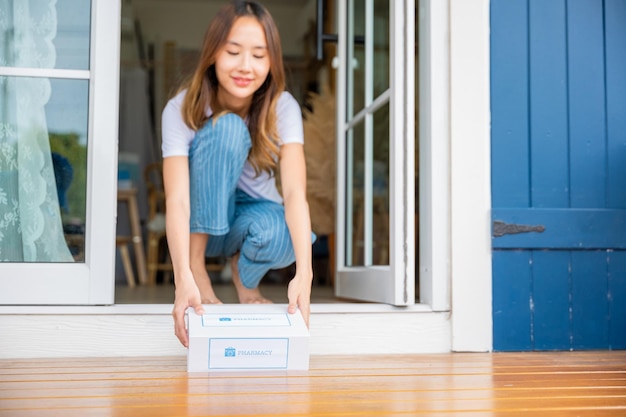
(30, 220)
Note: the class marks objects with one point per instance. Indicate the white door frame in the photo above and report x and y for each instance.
(454, 161)
(470, 175)
(434, 154)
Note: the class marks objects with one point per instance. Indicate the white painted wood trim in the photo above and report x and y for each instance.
(408, 219)
(148, 331)
(470, 175)
(45, 73)
(165, 309)
(402, 151)
(103, 150)
(340, 62)
(434, 153)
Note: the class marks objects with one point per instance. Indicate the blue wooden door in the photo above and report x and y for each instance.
(558, 82)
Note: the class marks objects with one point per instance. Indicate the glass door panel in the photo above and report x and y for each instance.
(43, 129)
(67, 114)
(371, 183)
(355, 224)
(43, 166)
(379, 204)
(57, 143)
(367, 210)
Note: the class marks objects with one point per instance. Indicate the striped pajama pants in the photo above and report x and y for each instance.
(234, 221)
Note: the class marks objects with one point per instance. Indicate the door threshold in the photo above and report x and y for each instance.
(160, 309)
(147, 330)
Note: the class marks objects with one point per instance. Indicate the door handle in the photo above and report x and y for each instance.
(501, 228)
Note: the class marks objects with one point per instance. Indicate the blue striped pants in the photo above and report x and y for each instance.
(234, 221)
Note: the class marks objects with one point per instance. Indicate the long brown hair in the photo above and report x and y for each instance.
(202, 87)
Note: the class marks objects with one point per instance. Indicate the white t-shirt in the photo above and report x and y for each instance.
(177, 138)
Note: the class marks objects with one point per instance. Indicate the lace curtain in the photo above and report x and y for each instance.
(31, 229)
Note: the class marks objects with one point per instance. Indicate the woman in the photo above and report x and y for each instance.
(224, 135)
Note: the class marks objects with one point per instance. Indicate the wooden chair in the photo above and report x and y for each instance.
(157, 254)
(153, 178)
(122, 242)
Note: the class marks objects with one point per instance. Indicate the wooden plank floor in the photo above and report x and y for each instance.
(458, 384)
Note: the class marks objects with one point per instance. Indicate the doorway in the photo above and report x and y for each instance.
(159, 45)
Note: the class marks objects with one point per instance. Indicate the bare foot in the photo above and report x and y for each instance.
(246, 295)
(203, 281)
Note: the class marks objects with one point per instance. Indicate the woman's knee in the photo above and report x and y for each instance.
(269, 241)
(225, 136)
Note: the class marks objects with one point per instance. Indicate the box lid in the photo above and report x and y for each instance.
(256, 320)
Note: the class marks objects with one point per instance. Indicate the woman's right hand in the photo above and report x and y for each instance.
(187, 295)
(176, 184)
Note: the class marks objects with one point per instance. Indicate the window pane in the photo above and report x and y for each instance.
(381, 47)
(355, 211)
(43, 166)
(356, 68)
(358, 170)
(40, 34)
(380, 177)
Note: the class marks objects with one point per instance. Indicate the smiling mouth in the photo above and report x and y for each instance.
(242, 82)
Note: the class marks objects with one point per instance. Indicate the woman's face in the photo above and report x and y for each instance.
(243, 63)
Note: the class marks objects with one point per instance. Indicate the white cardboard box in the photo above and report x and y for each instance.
(247, 337)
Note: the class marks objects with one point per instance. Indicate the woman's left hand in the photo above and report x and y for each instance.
(292, 161)
(299, 294)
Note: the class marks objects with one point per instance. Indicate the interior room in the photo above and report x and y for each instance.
(160, 40)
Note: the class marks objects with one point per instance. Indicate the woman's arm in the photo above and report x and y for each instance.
(293, 182)
(176, 184)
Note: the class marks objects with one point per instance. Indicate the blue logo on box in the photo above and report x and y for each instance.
(225, 319)
(230, 352)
